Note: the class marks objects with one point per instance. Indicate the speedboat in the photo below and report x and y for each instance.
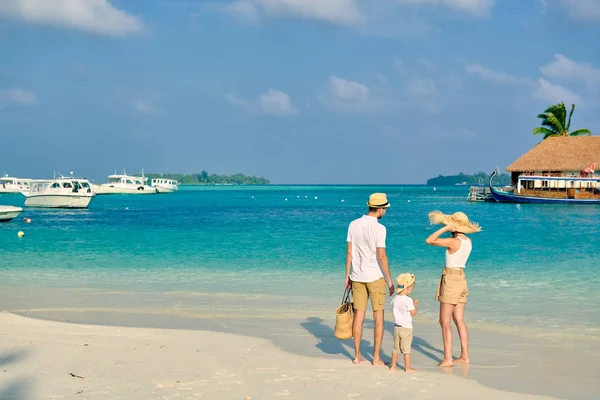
(64, 192)
(163, 185)
(125, 184)
(8, 213)
(8, 184)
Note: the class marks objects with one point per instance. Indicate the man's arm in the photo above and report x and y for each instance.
(348, 264)
(385, 268)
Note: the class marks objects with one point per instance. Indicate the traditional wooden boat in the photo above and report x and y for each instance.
(550, 189)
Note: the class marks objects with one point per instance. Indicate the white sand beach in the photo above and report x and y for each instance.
(52, 360)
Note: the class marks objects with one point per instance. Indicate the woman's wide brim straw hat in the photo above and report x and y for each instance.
(378, 200)
(458, 220)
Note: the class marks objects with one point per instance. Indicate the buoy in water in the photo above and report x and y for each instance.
(21, 234)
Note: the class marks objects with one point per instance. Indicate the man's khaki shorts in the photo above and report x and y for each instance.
(452, 288)
(403, 338)
(376, 290)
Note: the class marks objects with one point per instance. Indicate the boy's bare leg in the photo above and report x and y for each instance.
(459, 320)
(394, 361)
(378, 337)
(357, 330)
(407, 367)
(445, 317)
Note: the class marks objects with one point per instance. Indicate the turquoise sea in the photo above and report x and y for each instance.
(272, 250)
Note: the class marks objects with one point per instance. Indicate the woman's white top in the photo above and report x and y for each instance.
(459, 259)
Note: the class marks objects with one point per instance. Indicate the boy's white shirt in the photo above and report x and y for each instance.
(402, 306)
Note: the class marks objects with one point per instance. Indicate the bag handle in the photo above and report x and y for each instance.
(346, 297)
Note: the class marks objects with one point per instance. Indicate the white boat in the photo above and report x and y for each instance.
(64, 192)
(8, 184)
(125, 184)
(165, 185)
(8, 213)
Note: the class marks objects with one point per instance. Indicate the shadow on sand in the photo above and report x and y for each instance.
(18, 389)
(329, 344)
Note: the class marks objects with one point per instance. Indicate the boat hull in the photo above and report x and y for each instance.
(515, 198)
(58, 201)
(106, 189)
(8, 213)
(162, 189)
(505, 197)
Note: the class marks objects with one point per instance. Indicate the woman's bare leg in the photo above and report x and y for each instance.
(446, 311)
(459, 320)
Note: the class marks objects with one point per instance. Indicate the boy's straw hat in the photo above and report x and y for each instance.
(403, 281)
(458, 219)
(378, 200)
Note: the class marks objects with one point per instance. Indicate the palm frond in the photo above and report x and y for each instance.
(544, 131)
(570, 115)
(559, 111)
(581, 132)
(553, 121)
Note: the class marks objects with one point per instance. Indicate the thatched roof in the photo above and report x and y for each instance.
(560, 154)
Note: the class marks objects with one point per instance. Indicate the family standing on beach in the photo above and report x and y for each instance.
(368, 275)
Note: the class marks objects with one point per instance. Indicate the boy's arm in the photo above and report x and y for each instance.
(413, 312)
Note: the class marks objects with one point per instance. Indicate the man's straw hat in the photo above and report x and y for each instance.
(458, 219)
(403, 281)
(378, 200)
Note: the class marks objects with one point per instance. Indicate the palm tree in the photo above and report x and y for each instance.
(555, 123)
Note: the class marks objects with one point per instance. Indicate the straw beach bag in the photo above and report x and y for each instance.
(344, 316)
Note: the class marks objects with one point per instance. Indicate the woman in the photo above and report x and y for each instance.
(452, 290)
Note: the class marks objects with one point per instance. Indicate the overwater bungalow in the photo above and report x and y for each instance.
(556, 170)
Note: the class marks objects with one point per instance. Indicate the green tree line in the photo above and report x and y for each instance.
(470, 180)
(204, 178)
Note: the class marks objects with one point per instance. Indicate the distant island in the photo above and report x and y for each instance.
(203, 178)
(480, 178)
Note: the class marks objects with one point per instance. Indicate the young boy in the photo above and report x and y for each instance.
(404, 309)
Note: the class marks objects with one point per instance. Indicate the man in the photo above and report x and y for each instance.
(366, 266)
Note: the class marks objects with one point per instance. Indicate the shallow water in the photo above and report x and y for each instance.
(273, 249)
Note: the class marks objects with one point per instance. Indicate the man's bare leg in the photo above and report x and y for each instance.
(378, 337)
(357, 331)
(459, 320)
(445, 317)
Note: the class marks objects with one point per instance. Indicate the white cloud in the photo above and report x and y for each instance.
(348, 96)
(339, 12)
(347, 90)
(276, 103)
(585, 10)
(96, 16)
(273, 103)
(491, 75)
(143, 107)
(566, 69)
(373, 13)
(551, 93)
(479, 8)
(17, 96)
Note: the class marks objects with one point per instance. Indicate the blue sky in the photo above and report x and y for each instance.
(298, 91)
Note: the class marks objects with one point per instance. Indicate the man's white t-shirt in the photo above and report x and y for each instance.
(403, 305)
(366, 234)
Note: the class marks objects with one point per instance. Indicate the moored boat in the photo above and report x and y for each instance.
(546, 189)
(9, 184)
(8, 213)
(165, 185)
(59, 193)
(125, 184)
